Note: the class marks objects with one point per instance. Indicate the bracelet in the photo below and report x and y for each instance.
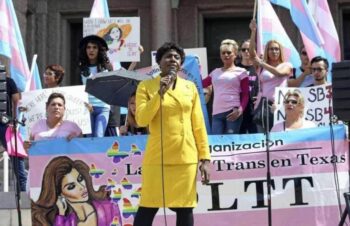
(204, 160)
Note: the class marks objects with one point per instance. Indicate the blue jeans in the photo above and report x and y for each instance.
(99, 120)
(220, 125)
(20, 172)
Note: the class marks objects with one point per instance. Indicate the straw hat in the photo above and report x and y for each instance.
(93, 38)
(125, 28)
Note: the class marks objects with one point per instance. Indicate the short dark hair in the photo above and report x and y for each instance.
(318, 59)
(58, 70)
(170, 46)
(53, 96)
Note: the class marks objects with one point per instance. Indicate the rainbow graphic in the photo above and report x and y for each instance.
(115, 153)
(95, 172)
(126, 184)
(116, 195)
(128, 209)
(135, 149)
(115, 221)
(110, 184)
(136, 193)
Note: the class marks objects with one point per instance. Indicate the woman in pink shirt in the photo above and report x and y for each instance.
(231, 91)
(54, 126)
(272, 69)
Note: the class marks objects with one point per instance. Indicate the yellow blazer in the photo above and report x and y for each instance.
(185, 137)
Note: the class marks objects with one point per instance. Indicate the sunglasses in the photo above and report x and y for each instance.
(304, 53)
(226, 52)
(294, 102)
(274, 49)
(244, 49)
(317, 69)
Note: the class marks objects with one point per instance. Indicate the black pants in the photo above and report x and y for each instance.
(145, 216)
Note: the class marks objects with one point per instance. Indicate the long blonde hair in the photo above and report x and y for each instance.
(266, 51)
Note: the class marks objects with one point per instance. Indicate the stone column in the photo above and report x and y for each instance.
(161, 22)
(41, 33)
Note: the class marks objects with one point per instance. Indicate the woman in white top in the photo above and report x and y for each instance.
(294, 105)
(92, 60)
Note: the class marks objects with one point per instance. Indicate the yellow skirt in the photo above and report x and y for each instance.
(179, 186)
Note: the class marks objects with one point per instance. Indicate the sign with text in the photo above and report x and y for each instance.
(122, 35)
(35, 104)
(304, 185)
(318, 103)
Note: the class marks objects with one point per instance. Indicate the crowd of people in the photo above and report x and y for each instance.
(168, 109)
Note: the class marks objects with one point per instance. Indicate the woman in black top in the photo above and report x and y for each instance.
(248, 126)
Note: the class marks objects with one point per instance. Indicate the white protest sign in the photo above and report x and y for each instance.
(200, 53)
(318, 103)
(35, 103)
(122, 35)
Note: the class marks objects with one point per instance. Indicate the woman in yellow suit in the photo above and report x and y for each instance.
(177, 142)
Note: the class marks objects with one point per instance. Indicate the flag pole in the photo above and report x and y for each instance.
(254, 12)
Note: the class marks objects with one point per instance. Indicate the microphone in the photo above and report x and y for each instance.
(172, 75)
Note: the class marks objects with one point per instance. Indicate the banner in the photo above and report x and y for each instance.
(35, 104)
(122, 35)
(318, 103)
(305, 185)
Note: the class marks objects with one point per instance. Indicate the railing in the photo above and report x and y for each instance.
(5, 158)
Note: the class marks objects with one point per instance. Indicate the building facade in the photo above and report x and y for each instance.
(52, 29)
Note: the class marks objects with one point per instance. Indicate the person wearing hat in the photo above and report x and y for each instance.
(92, 60)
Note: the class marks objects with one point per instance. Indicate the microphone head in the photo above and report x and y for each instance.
(172, 72)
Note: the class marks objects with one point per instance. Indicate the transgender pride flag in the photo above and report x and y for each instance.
(324, 20)
(99, 9)
(11, 46)
(309, 31)
(270, 27)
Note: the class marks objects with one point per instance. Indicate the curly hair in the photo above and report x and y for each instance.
(44, 210)
(84, 63)
(167, 47)
(58, 70)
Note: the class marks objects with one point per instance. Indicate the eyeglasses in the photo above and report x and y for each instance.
(294, 102)
(304, 53)
(49, 73)
(274, 49)
(317, 69)
(244, 49)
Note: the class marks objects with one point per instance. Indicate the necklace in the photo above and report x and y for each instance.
(86, 217)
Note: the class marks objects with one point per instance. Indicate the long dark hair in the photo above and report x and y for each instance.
(102, 58)
(44, 210)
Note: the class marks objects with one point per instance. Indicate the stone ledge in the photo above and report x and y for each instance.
(8, 200)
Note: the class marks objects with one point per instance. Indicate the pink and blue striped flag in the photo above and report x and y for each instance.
(270, 27)
(99, 9)
(11, 46)
(324, 21)
(303, 19)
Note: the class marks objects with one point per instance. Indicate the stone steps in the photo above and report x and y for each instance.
(8, 210)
